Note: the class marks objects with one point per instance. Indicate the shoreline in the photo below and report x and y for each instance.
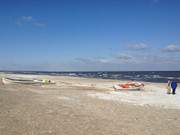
(147, 76)
(153, 94)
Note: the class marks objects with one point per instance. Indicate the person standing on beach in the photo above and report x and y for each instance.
(173, 86)
(169, 87)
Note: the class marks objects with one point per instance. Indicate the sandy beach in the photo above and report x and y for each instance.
(86, 106)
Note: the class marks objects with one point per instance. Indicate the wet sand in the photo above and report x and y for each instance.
(67, 109)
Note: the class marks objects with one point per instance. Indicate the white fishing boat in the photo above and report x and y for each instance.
(131, 86)
(20, 81)
(117, 87)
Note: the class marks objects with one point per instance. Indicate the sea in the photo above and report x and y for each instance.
(148, 76)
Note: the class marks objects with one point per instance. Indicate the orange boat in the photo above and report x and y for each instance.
(129, 86)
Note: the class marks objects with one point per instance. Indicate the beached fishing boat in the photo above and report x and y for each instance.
(117, 87)
(20, 81)
(131, 86)
(25, 81)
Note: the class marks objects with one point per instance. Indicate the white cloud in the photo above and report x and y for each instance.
(24, 19)
(93, 61)
(29, 20)
(130, 62)
(120, 62)
(140, 46)
(171, 48)
(104, 61)
(84, 60)
(124, 57)
(19, 23)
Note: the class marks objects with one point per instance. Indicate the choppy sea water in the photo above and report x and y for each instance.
(149, 76)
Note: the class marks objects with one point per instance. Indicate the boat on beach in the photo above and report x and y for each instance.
(9, 80)
(131, 86)
(18, 80)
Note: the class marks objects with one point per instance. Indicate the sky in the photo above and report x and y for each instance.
(89, 35)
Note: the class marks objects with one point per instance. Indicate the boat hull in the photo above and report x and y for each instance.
(17, 81)
(117, 87)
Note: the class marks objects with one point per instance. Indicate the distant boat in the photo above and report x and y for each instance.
(20, 81)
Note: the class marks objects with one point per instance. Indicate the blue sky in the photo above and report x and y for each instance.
(89, 35)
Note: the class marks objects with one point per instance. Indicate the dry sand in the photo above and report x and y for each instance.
(79, 106)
